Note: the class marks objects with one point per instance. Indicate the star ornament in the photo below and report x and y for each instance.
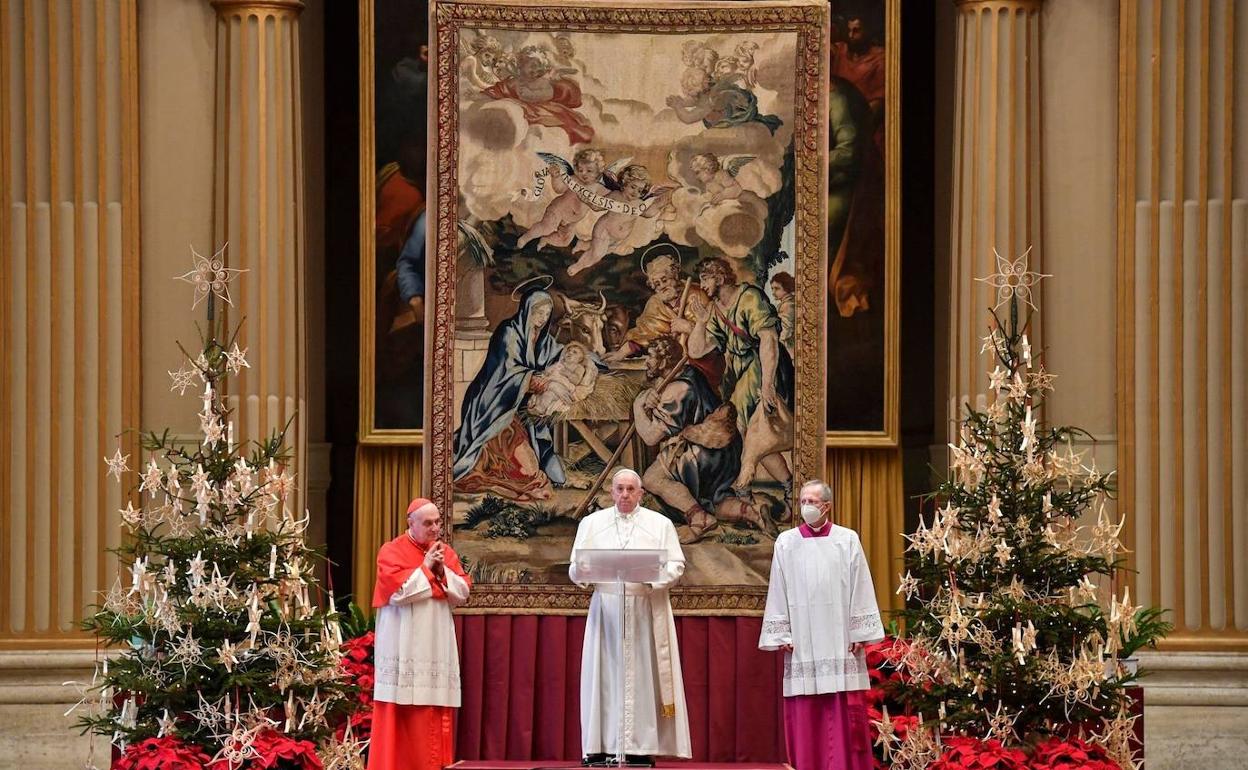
(346, 753)
(908, 586)
(1001, 723)
(117, 464)
(1013, 279)
(210, 275)
(236, 360)
(183, 379)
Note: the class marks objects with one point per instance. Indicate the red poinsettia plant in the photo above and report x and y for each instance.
(966, 753)
(882, 659)
(357, 662)
(166, 753)
(1070, 754)
(277, 751)
(961, 752)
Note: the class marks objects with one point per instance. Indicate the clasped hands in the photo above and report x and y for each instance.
(435, 561)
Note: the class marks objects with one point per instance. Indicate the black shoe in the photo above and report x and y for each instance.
(638, 760)
(594, 760)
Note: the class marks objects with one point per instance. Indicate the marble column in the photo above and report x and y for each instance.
(259, 211)
(996, 174)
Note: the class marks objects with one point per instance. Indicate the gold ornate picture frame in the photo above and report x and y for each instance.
(618, 191)
(864, 224)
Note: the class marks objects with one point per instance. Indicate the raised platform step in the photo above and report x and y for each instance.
(670, 764)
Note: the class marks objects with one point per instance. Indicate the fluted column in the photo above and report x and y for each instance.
(259, 208)
(69, 307)
(1182, 332)
(996, 172)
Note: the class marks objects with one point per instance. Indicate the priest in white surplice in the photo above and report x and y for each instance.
(654, 720)
(821, 610)
(416, 689)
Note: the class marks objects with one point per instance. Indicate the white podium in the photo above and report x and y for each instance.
(618, 567)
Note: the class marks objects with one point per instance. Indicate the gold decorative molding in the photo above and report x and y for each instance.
(256, 7)
(1227, 641)
(999, 5)
(574, 600)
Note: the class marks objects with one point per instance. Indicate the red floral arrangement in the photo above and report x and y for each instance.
(1071, 754)
(274, 750)
(357, 662)
(167, 753)
(278, 751)
(882, 660)
(963, 753)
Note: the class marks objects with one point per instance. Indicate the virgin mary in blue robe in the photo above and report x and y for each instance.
(520, 348)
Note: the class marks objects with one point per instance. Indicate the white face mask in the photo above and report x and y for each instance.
(811, 514)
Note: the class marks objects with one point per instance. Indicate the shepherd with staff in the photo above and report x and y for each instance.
(699, 443)
(669, 310)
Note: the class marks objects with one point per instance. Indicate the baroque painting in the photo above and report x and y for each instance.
(394, 76)
(630, 264)
(863, 223)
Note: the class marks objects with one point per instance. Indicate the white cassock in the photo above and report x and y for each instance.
(651, 657)
(416, 658)
(820, 600)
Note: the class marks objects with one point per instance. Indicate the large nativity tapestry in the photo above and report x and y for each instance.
(628, 267)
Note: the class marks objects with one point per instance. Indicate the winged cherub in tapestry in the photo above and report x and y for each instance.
(577, 185)
(719, 179)
(631, 198)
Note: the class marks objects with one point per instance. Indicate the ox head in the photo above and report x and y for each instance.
(583, 322)
(618, 319)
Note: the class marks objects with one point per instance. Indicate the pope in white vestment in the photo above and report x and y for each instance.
(654, 719)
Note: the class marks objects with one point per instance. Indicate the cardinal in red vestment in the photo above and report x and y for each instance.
(419, 580)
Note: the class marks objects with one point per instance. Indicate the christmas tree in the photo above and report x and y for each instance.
(220, 656)
(1009, 647)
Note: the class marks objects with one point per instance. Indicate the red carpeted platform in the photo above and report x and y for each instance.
(660, 764)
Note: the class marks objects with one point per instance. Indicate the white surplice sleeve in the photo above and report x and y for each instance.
(777, 630)
(864, 612)
(457, 589)
(415, 588)
(583, 538)
(674, 567)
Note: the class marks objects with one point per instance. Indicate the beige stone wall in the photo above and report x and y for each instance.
(1199, 702)
(1196, 712)
(1078, 131)
(171, 69)
(178, 81)
(176, 87)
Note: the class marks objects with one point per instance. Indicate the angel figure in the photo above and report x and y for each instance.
(557, 227)
(478, 66)
(613, 228)
(740, 66)
(717, 103)
(719, 179)
(545, 95)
